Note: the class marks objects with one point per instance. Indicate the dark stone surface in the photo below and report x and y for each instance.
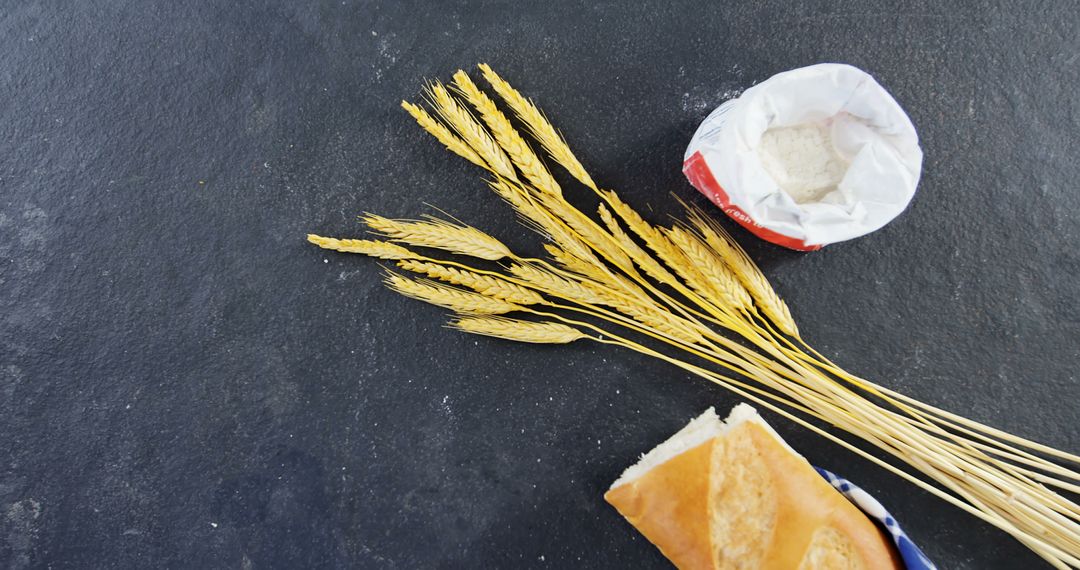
(184, 382)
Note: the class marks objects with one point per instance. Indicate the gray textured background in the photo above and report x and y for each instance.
(184, 382)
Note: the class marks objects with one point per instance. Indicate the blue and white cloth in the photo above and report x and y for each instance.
(914, 559)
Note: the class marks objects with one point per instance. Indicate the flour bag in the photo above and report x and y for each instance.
(809, 157)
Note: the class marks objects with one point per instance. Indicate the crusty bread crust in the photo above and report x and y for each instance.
(809, 524)
(745, 500)
(667, 504)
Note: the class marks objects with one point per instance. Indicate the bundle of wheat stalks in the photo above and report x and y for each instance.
(692, 297)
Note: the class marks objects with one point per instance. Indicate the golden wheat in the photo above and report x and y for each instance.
(553, 284)
(540, 219)
(653, 237)
(519, 330)
(526, 208)
(745, 270)
(507, 136)
(588, 231)
(648, 263)
(539, 126)
(449, 297)
(443, 134)
(471, 131)
(439, 234)
(380, 249)
(716, 281)
(646, 313)
(575, 264)
(484, 284)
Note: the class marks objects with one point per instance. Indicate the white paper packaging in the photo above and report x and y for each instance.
(868, 128)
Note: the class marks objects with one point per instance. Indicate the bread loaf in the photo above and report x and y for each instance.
(733, 495)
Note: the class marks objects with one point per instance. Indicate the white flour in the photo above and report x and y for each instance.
(802, 160)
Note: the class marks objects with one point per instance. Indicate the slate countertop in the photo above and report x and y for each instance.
(184, 382)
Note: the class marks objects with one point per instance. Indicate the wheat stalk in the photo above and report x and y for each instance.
(539, 126)
(380, 249)
(711, 277)
(471, 131)
(484, 284)
(449, 297)
(519, 330)
(745, 270)
(508, 138)
(439, 234)
(443, 134)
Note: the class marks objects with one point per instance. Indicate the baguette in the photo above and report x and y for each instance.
(733, 495)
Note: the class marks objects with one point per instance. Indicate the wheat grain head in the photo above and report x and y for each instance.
(484, 284)
(657, 240)
(646, 313)
(443, 134)
(745, 270)
(507, 136)
(522, 331)
(541, 219)
(593, 235)
(574, 264)
(555, 285)
(471, 131)
(711, 278)
(380, 249)
(539, 126)
(439, 234)
(647, 262)
(449, 297)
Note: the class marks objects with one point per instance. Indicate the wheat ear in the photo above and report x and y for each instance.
(539, 126)
(648, 314)
(443, 134)
(717, 282)
(380, 249)
(657, 241)
(553, 284)
(522, 331)
(507, 136)
(648, 263)
(449, 297)
(544, 221)
(747, 272)
(439, 234)
(484, 284)
(589, 232)
(471, 131)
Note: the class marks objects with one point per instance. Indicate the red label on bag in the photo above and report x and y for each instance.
(702, 178)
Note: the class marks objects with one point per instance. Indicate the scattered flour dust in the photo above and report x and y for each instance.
(802, 160)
